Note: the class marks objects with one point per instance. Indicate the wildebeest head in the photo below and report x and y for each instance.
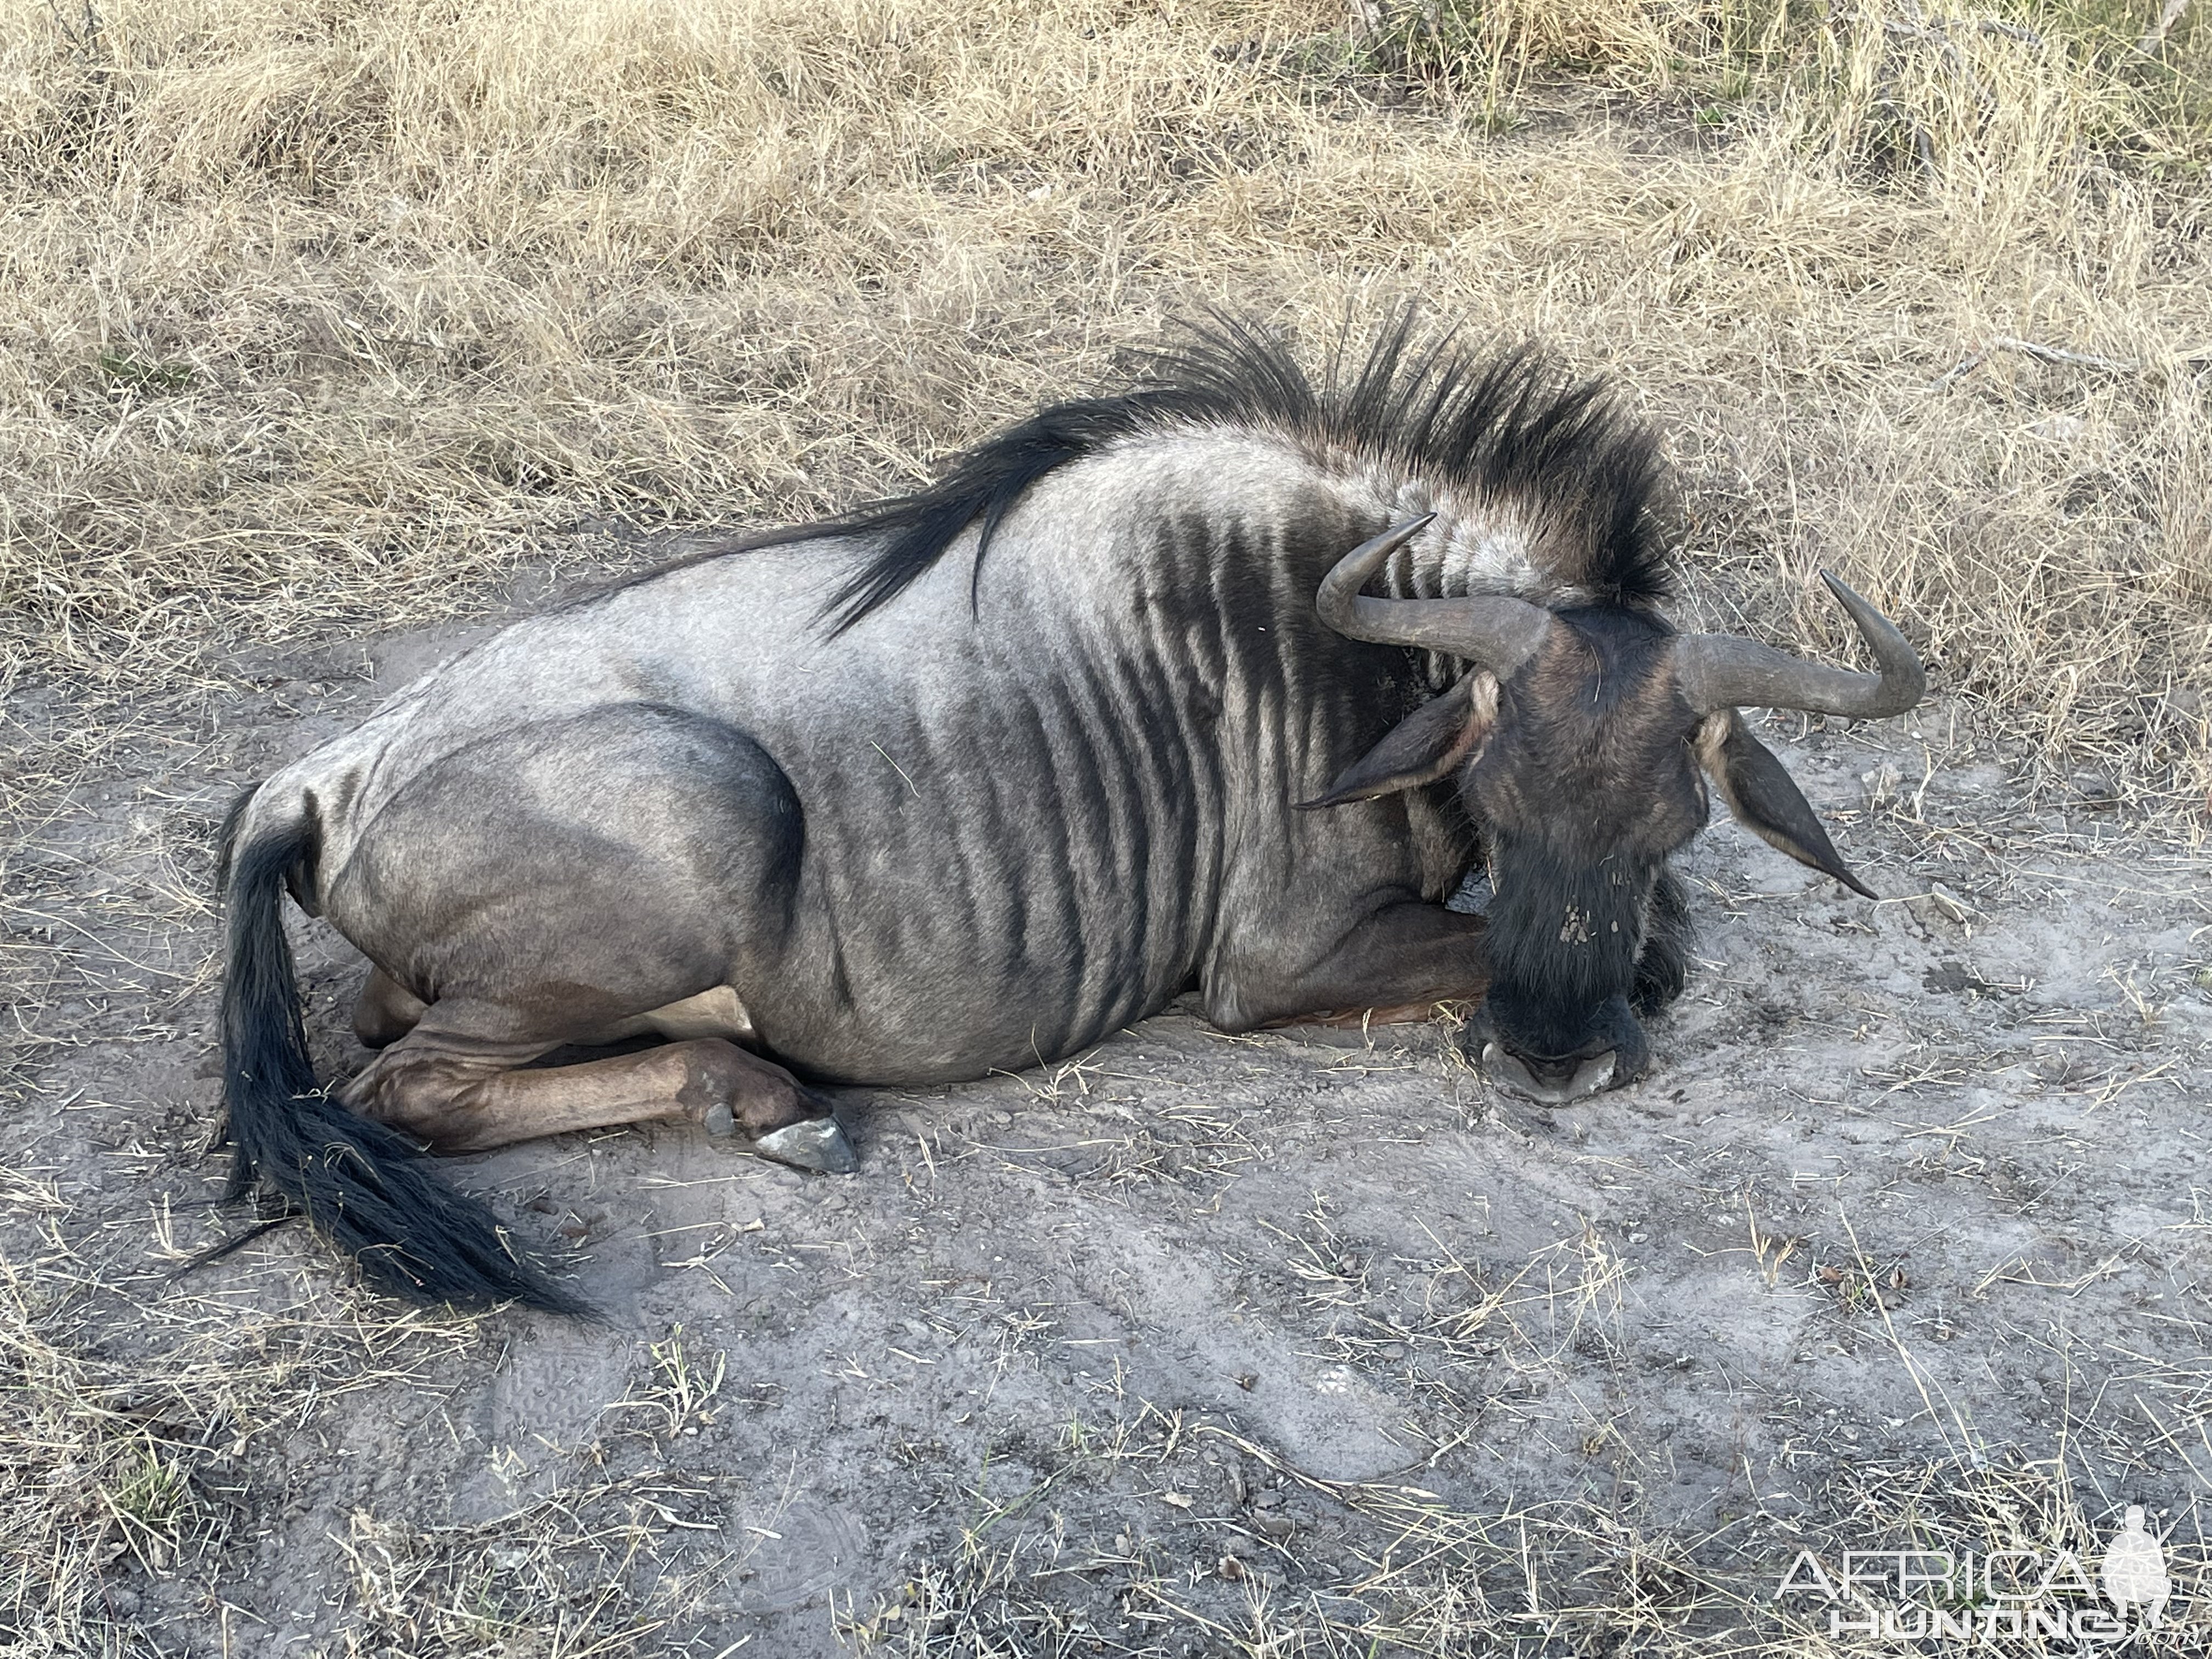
(1585, 741)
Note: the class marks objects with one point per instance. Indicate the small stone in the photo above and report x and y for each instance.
(2096, 786)
(1881, 783)
(1950, 903)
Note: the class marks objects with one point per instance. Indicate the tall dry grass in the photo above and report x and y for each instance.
(321, 314)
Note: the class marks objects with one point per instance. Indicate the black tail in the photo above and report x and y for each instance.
(363, 1186)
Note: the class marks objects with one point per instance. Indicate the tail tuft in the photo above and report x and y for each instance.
(361, 1184)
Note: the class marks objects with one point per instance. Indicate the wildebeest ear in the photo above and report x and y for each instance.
(1428, 743)
(1764, 797)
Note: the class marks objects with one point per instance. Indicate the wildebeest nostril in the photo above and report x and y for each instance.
(1549, 1083)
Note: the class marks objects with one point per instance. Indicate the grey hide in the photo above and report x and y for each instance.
(975, 831)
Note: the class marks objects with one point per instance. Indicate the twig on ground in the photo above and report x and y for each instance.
(2155, 36)
(1966, 365)
(2060, 355)
(2044, 354)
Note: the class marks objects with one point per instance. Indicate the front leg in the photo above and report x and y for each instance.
(1411, 954)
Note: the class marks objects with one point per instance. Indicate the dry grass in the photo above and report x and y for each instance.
(1225, 1547)
(321, 317)
(122, 1457)
(138, 1415)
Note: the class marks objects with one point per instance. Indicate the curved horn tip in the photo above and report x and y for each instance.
(1902, 670)
(1842, 589)
(1495, 631)
(1396, 536)
(1855, 603)
(1350, 572)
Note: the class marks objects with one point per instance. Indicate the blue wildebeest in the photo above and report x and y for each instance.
(968, 781)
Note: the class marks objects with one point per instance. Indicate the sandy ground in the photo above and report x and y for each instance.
(1303, 1342)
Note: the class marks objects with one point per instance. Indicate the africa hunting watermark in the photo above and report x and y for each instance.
(1985, 1598)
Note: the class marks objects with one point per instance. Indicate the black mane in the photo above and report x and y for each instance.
(1506, 426)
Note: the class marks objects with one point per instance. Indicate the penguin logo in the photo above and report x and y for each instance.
(2134, 1571)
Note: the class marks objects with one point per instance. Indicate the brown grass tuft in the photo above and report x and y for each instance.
(130, 1413)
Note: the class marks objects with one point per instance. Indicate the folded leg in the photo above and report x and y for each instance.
(454, 1081)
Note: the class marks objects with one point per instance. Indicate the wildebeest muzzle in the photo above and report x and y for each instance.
(1614, 1054)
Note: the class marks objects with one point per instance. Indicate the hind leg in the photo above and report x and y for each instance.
(453, 1080)
(385, 1011)
(582, 880)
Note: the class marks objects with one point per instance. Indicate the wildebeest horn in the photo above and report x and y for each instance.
(1497, 632)
(1719, 670)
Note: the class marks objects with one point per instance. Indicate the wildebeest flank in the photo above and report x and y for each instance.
(968, 781)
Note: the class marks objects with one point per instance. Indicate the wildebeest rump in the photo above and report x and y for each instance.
(968, 781)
